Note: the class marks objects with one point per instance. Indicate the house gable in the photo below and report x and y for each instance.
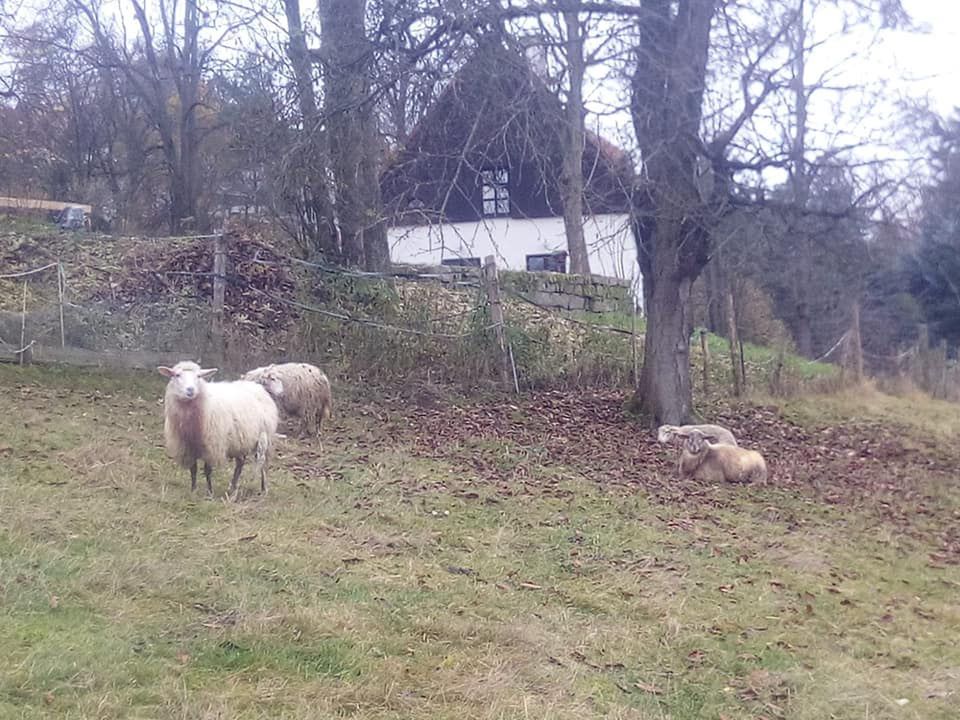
(490, 147)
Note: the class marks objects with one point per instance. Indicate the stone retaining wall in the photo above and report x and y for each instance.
(555, 291)
(559, 291)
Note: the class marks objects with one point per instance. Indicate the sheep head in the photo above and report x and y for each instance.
(695, 442)
(666, 433)
(272, 382)
(185, 379)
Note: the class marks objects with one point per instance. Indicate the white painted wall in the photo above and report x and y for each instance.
(610, 243)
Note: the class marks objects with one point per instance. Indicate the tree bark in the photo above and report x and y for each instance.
(856, 343)
(665, 391)
(572, 173)
(714, 292)
(353, 133)
(671, 222)
(188, 84)
(800, 184)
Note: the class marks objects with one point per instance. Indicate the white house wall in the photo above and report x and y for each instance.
(609, 241)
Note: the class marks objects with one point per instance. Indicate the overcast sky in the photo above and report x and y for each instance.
(932, 57)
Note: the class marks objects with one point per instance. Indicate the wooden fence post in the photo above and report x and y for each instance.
(23, 324)
(776, 378)
(219, 294)
(60, 287)
(743, 366)
(942, 379)
(856, 344)
(734, 344)
(705, 351)
(492, 284)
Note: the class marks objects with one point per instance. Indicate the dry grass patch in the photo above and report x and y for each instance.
(374, 582)
(928, 422)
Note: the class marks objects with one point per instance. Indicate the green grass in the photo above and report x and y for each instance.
(373, 582)
(926, 418)
(25, 225)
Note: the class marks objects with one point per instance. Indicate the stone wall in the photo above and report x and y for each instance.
(586, 293)
(555, 291)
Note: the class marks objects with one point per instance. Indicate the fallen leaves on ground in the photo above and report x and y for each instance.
(519, 446)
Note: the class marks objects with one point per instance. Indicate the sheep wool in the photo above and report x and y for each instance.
(216, 422)
(719, 434)
(707, 462)
(306, 392)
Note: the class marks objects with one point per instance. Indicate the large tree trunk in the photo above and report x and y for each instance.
(665, 391)
(352, 130)
(572, 174)
(800, 185)
(321, 227)
(188, 83)
(671, 222)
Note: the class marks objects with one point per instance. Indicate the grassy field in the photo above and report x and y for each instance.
(524, 573)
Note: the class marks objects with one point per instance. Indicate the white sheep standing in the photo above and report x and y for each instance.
(216, 422)
(305, 392)
(703, 460)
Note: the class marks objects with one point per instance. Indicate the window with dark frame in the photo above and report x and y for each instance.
(461, 262)
(495, 189)
(547, 262)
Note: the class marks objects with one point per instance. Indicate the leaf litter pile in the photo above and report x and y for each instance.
(258, 280)
(589, 434)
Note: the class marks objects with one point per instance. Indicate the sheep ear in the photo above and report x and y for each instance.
(207, 372)
(165, 371)
(710, 438)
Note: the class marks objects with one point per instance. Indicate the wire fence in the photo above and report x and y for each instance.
(213, 296)
(236, 301)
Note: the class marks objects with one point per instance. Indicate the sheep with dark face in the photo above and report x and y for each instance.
(305, 393)
(704, 459)
(216, 422)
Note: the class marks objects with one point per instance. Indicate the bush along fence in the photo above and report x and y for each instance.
(232, 299)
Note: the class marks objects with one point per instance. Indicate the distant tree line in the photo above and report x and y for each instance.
(757, 168)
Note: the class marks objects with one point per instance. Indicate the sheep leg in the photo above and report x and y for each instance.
(238, 468)
(260, 457)
(193, 477)
(208, 474)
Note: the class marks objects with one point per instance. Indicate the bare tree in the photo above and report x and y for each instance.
(347, 56)
(572, 173)
(672, 222)
(320, 220)
(165, 65)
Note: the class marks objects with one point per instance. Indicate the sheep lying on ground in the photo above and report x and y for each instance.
(306, 393)
(666, 433)
(216, 422)
(703, 460)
